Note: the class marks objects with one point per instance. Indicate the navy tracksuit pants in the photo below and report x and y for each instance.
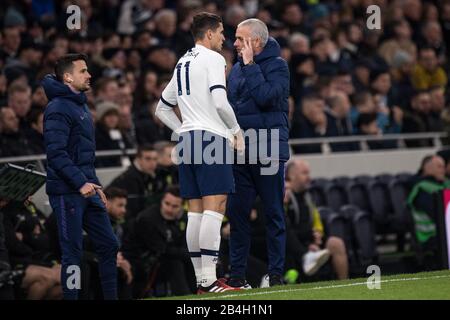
(249, 182)
(75, 213)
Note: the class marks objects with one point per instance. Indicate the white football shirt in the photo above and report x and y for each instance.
(197, 73)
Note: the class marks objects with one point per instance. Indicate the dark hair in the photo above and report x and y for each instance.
(173, 190)
(427, 159)
(361, 97)
(65, 64)
(114, 192)
(311, 96)
(203, 22)
(365, 119)
(34, 114)
(144, 147)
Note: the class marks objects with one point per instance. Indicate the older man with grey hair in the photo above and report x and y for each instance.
(258, 90)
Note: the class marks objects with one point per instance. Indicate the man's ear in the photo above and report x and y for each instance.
(67, 77)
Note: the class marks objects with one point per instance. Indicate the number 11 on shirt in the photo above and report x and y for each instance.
(186, 67)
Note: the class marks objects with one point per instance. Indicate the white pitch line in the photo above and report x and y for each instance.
(317, 288)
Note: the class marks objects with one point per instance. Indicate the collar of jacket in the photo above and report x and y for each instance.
(271, 50)
(56, 89)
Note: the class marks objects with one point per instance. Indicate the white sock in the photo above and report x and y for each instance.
(192, 240)
(209, 245)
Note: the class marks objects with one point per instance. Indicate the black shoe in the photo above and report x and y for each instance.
(275, 280)
(239, 283)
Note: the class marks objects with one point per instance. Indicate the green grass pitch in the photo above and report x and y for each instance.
(419, 286)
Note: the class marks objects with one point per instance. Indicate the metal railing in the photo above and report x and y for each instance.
(363, 140)
(324, 142)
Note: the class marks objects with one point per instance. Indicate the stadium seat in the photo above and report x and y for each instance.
(342, 180)
(362, 250)
(317, 190)
(380, 202)
(334, 222)
(363, 179)
(336, 196)
(358, 195)
(384, 178)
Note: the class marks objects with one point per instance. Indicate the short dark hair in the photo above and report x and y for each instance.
(65, 63)
(114, 192)
(203, 22)
(365, 119)
(144, 147)
(34, 115)
(427, 159)
(173, 190)
(311, 96)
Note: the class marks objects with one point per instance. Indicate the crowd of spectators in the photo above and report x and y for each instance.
(345, 80)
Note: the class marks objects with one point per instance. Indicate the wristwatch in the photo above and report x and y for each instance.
(250, 63)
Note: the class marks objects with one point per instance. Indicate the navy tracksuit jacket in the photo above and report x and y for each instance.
(69, 137)
(259, 95)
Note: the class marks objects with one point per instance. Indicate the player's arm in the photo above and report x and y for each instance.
(216, 82)
(56, 136)
(225, 110)
(164, 109)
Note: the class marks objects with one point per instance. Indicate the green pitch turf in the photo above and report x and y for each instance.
(422, 286)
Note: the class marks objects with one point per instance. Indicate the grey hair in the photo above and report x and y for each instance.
(258, 29)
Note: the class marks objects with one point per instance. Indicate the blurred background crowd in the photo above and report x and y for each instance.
(345, 80)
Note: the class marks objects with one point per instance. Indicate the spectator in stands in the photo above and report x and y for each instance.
(19, 100)
(13, 141)
(149, 129)
(402, 67)
(11, 41)
(427, 73)
(34, 134)
(367, 125)
(156, 245)
(310, 245)
(38, 99)
(6, 291)
(116, 208)
(400, 41)
(166, 166)
(430, 179)
(106, 89)
(27, 246)
(432, 37)
(339, 116)
(419, 118)
(312, 123)
(109, 137)
(142, 181)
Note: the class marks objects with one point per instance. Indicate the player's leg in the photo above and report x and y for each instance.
(239, 206)
(209, 237)
(98, 226)
(215, 181)
(68, 210)
(195, 214)
(271, 190)
(189, 190)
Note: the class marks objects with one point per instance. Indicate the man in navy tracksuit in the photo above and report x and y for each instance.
(258, 90)
(72, 186)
